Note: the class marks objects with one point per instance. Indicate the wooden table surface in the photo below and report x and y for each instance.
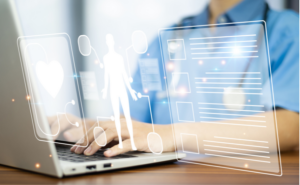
(172, 173)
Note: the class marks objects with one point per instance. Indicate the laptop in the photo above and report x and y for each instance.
(20, 146)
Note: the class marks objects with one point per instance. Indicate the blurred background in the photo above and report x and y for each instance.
(96, 18)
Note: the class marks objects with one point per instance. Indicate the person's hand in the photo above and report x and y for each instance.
(140, 133)
(104, 93)
(59, 125)
(133, 94)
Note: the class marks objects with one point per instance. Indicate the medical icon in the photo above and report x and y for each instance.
(176, 49)
(154, 140)
(45, 70)
(85, 47)
(49, 72)
(139, 45)
(52, 83)
(116, 77)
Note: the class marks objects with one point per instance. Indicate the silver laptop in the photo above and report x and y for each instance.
(21, 148)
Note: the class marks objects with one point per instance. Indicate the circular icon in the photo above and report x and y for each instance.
(155, 143)
(139, 42)
(97, 132)
(84, 45)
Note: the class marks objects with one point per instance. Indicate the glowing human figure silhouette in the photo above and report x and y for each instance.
(115, 75)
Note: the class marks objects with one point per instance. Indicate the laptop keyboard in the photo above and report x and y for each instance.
(65, 154)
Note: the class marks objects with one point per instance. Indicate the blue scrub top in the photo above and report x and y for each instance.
(283, 37)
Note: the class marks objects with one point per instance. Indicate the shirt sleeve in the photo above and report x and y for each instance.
(284, 54)
(140, 109)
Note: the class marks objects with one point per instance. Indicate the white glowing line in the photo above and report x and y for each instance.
(128, 61)
(225, 83)
(224, 42)
(200, 78)
(225, 52)
(224, 37)
(234, 119)
(237, 148)
(241, 139)
(226, 88)
(66, 114)
(232, 73)
(196, 141)
(232, 109)
(254, 46)
(227, 93)
(178, 111)
(232, 124)
(150, 110)
(227, 57)
(232, 104)
(235, 144)
(231, 114)
(237, 153)
(103, 117)
(238, 158)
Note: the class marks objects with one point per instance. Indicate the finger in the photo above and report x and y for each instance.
(117, 151)
(74, 134)
(83, 142)
(51, 119)
(94, 147)
(55, 128)
(90, 136)
(63, 120)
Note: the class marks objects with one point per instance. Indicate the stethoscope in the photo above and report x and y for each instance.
(234, 98)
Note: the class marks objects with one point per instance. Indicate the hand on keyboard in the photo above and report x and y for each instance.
(89, 146)
(71, 133)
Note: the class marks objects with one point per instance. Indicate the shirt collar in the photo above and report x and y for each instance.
(247, 10)
(202, 18)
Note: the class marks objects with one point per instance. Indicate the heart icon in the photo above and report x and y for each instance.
(50, 75)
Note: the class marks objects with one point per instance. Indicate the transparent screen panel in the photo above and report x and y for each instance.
(52, 86)
(220, 88)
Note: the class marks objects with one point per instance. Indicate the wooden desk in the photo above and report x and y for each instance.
(173, 173)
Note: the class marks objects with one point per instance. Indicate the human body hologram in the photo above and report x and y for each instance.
(115, 75)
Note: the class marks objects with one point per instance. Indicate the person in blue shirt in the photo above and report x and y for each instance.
(283, 37)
